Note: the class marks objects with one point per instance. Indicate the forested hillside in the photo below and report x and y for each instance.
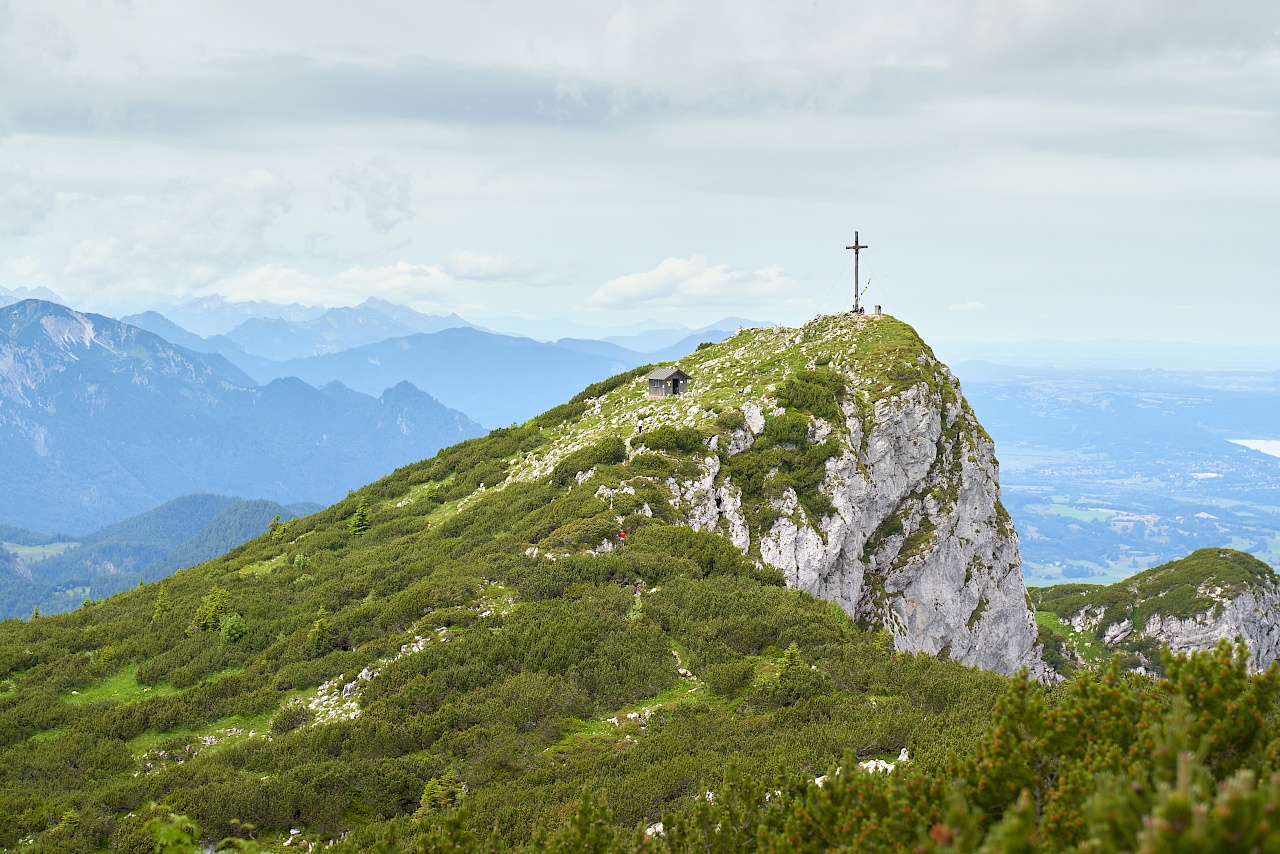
(50, 576)
(459, 658)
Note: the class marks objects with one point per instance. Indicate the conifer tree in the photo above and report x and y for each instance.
(360, 519)
(162, 605)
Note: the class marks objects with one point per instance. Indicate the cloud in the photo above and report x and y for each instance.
(966, 306)
(689, 281)
(471, 265)
(187, 236)
(427, 287)
(24, 199)
(384, 191)
(87, 66)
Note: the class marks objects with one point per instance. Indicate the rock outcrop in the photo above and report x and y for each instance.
(844, 455)
(1187, 605)
(1251, 615)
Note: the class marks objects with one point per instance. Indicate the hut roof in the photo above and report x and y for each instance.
(666, 374)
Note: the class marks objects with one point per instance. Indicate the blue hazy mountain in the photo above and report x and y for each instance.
(495, 379)
(633, 358)
(9, 296)
(100, 420)
(652, 341)
(337, 329)
(258, 340)
(182, 532)
(216, 315)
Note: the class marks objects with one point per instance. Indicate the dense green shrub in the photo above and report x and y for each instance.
(652, 465)
(817, 392)
(730, 420)
(684, 440)
(233, 627)
(609, 450)
(585, 532)
(711, 554)
(290, 718)
(728, 677)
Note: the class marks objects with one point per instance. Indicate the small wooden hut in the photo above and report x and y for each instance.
(664, 382)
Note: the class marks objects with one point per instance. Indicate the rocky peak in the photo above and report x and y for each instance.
(843, 454)
(1189, 604)
(42, 343)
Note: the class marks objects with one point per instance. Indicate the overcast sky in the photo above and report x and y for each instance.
(1073, 169)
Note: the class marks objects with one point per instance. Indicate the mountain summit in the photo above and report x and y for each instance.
(593, 600)
(841, 454)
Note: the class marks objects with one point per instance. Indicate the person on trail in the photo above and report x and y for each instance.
(622, 535)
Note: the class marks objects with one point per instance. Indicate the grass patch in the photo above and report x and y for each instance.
(35, 554)
(228, 731)
(47, 734)
(262, 567)
(1084, 644)
(1081, 514)
(121, 686)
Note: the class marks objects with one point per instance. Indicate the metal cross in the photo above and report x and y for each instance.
(857, 297)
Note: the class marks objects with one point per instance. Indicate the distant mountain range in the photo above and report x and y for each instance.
(280, 339)
(655, 340)
(100, 420)
(216, 315)
(9, 297)
(41, 571)
(495, 379)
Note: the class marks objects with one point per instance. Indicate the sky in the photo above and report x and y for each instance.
(1019, 169)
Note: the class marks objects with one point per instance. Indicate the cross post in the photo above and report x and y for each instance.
(857, 283)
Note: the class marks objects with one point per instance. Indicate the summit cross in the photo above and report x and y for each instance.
(857, 296)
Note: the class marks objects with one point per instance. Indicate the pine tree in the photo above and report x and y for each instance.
(318, 637)
(162, 605)
(277, 529)
(360, 519)
(208, 616)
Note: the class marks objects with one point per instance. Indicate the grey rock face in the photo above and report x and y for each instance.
(917, 543)
(1251, 615)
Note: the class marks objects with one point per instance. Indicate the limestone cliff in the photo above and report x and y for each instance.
(1187, 605)
(843, 454)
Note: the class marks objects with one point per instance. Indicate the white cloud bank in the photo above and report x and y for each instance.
(682, 282)
(154, 154)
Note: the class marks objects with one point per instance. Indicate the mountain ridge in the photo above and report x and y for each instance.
(87, 402)
(457, 651)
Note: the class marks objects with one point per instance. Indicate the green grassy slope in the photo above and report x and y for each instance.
(520, 660)
(454, 635)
